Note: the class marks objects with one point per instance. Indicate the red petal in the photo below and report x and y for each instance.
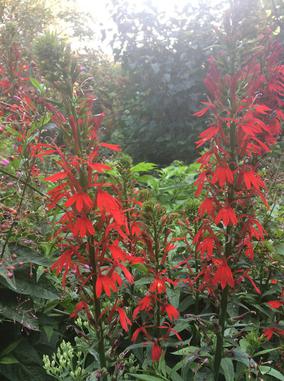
(113, 147)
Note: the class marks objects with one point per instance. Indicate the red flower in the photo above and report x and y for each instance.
(124, 320)
(79, 307)
(172, 312)
(158, 285)
(109, 204)
(64, 262)
(222, 175)
(81, 200)
(57, 176)
(223, 275)
(207, 135)
(227, 216)
(206, 207)
(251, 179)
(82, 227)
(275, 304)
(99, 167)
(143, 305)
(270, 331)
(113, 147)
(156, 351)
(207, 246)
(107, 283)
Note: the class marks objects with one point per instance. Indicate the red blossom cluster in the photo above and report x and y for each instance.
(245, 121)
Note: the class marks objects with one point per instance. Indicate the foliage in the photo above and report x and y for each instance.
(168, 284)
(165, 57)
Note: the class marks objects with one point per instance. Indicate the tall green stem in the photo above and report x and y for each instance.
(97, 309)
(220, 333)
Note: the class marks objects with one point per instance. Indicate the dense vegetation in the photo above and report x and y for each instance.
(141, 231)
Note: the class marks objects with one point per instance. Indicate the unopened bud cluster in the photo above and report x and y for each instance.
(66, 364)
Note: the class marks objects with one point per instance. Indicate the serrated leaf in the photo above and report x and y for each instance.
(143, 167)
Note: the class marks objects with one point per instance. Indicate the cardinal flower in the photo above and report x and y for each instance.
(156, 351)
(222, 175)
(227, 216)
(124, 320)
(223, 275)
(82, 227)
(172, 312)
(81, 200)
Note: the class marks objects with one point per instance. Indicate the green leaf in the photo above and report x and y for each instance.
(39, 290)
(10, 348)
(39, 86)
(8, 360)
(186, 351)
(267, 370)
(9, 281)
(13, 312)
(143, 167)
(174, 296)
(228, 369)
(26, 255)
(147, 377)
(143, 281)
(241, 357)
(266, 351)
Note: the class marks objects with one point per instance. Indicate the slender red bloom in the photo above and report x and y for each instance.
(83, 227)
(156, 352)
(172, 312)
(124, 320)
(227, 216)
(81, 200)
(223, 275)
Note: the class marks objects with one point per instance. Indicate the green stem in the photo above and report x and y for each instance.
(97, 310)
(220, 333)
